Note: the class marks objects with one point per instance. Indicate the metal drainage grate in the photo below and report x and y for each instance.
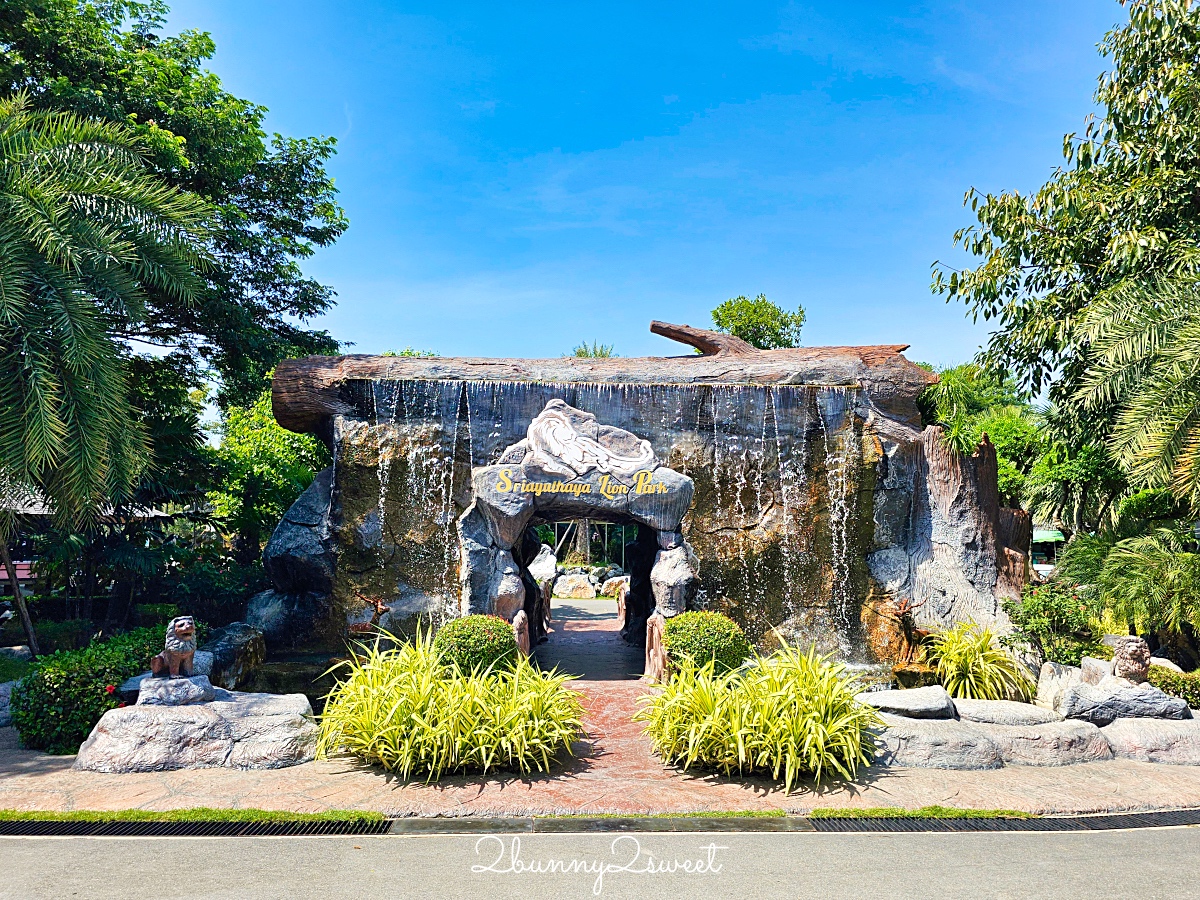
(1063, 823)
(33, 828)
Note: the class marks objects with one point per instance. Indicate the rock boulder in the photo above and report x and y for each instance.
(935, 744)
(1175, 742)
(574, 587)
(919, 703)
(175, 691)
(1054, 681)
(1050, 743)
(1116, 698)
(235, 651)
(673, 580)
(240, 731)
(1004, 712)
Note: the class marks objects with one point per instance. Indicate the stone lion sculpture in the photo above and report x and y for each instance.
(1131, 659)
(179, 650)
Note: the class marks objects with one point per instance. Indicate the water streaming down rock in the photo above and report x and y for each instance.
(771, 521)
(819, 510)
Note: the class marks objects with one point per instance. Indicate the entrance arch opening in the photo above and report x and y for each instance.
(570, 468)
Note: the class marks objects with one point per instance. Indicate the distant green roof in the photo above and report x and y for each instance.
(1047, 535)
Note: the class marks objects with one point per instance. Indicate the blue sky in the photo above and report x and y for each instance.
(523, 177)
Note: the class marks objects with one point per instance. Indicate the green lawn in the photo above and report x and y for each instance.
(12, 669)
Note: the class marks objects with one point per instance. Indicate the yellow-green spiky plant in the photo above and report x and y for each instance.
(793, 714)
(971, 664)
(410, 712)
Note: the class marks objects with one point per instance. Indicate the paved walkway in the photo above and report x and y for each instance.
(613, 771)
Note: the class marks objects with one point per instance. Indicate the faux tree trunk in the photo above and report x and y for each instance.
(22, 609)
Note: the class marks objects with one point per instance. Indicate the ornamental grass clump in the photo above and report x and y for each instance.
(793, 714)
(704, 636)
(411, 712)
(971, 664)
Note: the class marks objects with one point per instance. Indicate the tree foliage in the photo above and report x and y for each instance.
(262, 470)
(1145, 365)
(274, 202)
(759, 322)
(1125, 205)
(87, 235)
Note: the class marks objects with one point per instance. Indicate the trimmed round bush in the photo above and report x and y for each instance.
(706, 637)
(477, 643)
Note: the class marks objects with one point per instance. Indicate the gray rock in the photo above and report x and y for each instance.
(1093, 671)
(507, 511)
(1049, 744)
(1053, 683)
(5, 698)
(918, 703)
(673, 580)
(544, 566)
(286, 619)
(1165, 663)
(1004, 712)
(477, 551)
(21, 653)
(935, 744)
(235, 651)
(1175, 742)
(613, 586)
(574, 587)
(299, 557)
(175, 691)
(1116, 698)
(244, 731)
(506, 590)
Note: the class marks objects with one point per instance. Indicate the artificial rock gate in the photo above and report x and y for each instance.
(793, 490)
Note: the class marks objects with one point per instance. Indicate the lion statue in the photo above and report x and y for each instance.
(1131, 659)
(179, 651)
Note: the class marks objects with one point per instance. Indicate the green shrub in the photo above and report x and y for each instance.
(476, 643)
(1057, 620)
(411, 712)
(73, 634)
(65, 693)
(1185, 685)
(971, 664)
(704, 637)
(793, 714)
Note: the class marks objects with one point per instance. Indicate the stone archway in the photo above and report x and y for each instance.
(570, 466)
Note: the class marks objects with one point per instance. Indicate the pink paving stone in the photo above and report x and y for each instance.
(614, 771)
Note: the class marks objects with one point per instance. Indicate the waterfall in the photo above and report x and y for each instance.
(762, 483)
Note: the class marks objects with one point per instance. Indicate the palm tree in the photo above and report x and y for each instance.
(1144, 372)
(87, 234)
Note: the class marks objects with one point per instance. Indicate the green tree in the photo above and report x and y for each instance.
(759, 322)
(969, 402)
(87, 234)
(274, 200)
(1126, 205)
(262, 470)
(1145, 365)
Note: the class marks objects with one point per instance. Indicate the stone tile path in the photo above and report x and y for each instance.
(613, 771)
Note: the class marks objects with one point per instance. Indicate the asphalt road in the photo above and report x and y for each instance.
(1146, 863)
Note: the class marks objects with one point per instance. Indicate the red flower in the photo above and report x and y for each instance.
(110, 689)
(119, 705)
